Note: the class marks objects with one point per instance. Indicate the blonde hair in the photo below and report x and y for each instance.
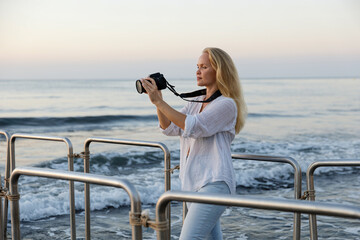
(228, 82)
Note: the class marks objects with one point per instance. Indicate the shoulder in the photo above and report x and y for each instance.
(225, 102)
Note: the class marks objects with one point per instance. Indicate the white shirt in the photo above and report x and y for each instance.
(208, 136)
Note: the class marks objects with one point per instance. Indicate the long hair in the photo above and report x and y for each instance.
(228, 82)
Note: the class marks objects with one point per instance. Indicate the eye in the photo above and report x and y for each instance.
(202, 67)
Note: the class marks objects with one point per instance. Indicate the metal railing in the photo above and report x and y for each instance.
(72, 176)
(121, 142)
(295, 206)
(5, 203)
(311, 187)
(70, 157)
(297, 181)
(287, 205)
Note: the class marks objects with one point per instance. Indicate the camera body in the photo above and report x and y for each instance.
(159, 80)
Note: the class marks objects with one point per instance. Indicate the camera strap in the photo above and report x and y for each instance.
(193, 94)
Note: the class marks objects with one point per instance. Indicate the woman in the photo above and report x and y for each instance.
(206, 131)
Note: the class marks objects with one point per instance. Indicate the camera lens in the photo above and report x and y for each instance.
(139, 87)
(159, 80)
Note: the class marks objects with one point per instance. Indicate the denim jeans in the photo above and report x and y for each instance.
(203, 220)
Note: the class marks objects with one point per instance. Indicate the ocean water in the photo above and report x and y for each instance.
(306, 119)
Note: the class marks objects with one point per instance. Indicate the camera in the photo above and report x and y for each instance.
(159, 80)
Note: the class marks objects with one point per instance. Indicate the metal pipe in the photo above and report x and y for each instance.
(297, 181)
(70, 168)
(311, 187)
(6, 186)
(121, 142)
(286, 205)
(134, 196)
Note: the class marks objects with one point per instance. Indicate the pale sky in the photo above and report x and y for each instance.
(66, 39)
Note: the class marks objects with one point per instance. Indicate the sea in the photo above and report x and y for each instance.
(307, 119)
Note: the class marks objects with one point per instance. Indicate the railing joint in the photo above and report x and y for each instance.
(143, 219)
(3, 192)
(171, 170)
(308, 194)
(80, 155)
(13, 197)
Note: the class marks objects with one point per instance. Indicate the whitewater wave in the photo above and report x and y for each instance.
(61, 121)
(102, 119)
(42, 198)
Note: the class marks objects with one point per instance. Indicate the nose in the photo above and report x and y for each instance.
(198, 71)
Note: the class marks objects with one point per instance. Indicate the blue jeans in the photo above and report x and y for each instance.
(203, 220)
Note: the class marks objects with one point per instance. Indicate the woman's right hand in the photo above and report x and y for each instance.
(151, 88)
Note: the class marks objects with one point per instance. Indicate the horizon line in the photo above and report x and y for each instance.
(187, 78)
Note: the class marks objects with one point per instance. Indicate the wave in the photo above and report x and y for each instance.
(103, 119)
(51, 197)
(60, 121)
(145, 170)
(273, 115)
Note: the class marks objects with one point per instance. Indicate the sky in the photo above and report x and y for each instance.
(115, 39)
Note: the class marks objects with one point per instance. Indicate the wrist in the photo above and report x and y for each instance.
(159, 103)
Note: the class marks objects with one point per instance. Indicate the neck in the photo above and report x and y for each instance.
(210, 91)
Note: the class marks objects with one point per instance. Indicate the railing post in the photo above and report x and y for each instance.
(311, 186)
(297, 181)
(70, 168)
(122, 142)
(310, 189)
(135, 201)
(87, 192)
(6, 186)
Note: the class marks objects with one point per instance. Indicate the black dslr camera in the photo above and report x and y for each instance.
(159, 80)
(161, 84)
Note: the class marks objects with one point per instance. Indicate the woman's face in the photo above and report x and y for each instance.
(206, 74)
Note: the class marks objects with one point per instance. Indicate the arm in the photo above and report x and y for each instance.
(163, 120)
(170, 114)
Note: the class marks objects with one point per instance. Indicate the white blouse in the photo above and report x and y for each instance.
(207, 137)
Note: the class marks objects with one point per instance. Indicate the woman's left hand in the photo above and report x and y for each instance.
(149, 85)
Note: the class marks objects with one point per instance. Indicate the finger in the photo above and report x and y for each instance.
(151, 80)
(143, 83)
(150, 85)
(147, 85)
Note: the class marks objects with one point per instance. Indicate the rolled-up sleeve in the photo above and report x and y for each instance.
(218, 116)
(171, 130)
